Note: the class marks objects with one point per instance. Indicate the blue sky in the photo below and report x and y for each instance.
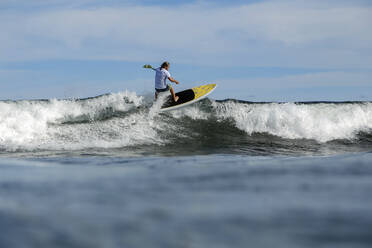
(276, 50)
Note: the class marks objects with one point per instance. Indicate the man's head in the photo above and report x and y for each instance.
(165, 65)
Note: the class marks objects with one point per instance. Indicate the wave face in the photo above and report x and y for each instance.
(124, 123)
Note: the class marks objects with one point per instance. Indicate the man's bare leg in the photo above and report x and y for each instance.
(175, 98)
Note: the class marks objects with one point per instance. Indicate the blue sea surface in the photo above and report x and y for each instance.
(219, 200)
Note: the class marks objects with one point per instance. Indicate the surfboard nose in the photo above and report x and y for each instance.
(203, 90)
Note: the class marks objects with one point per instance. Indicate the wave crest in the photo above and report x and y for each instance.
(321, 121)
(127, 120)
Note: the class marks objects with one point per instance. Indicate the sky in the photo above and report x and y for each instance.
(255, 50)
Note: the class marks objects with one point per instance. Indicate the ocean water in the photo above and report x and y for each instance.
(112, 171)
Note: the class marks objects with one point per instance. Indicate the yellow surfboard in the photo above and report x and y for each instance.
(188, 97)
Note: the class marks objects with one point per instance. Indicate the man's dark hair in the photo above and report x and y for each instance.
(165, 64)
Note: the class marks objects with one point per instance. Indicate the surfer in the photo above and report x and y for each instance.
(161, 76)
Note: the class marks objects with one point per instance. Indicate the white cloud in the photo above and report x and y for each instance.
(271, 33)
(322, 86)
(307, 80)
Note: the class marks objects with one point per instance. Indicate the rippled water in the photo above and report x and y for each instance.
(190, 201)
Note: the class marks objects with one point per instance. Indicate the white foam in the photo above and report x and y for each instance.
(38, 124)
(32, 125)
(321, 122)
(192, 111)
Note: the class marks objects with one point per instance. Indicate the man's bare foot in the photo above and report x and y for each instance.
(176, 98)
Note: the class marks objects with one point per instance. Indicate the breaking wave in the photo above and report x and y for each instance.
(125, 120)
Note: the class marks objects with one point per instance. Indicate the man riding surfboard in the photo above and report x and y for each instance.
(161, 76)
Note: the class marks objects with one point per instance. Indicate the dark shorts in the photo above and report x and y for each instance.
(162, 90)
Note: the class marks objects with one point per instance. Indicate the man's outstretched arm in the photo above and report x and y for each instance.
(173, 80)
